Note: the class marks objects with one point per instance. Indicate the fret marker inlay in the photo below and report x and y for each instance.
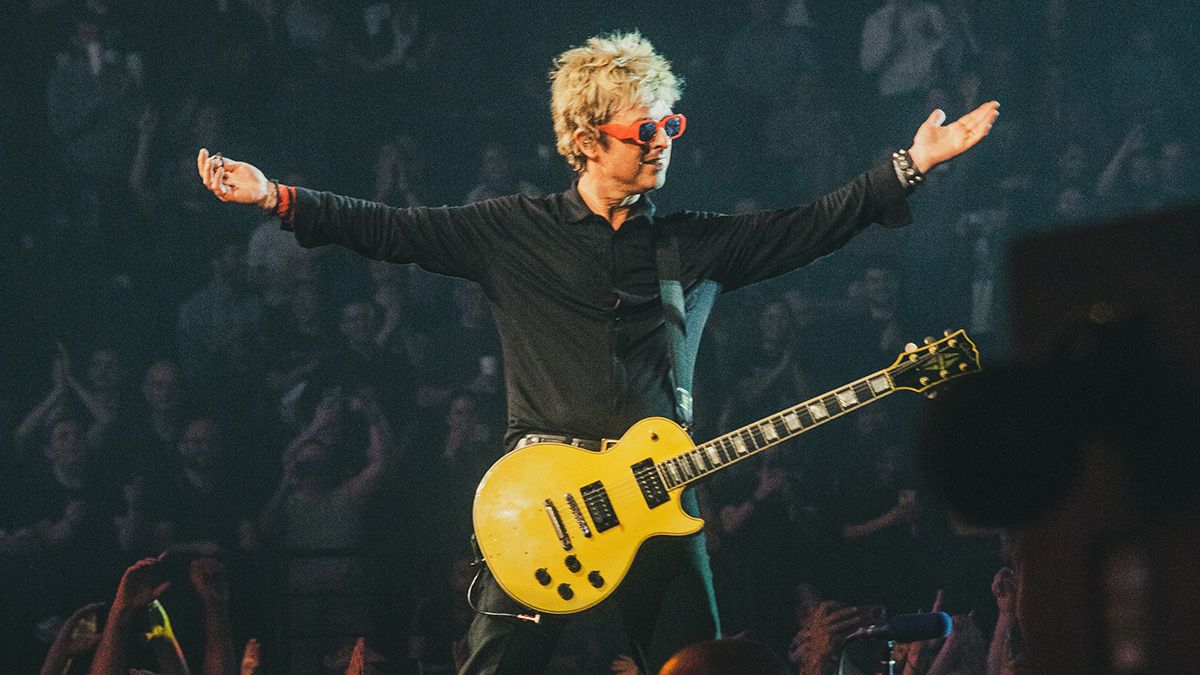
(739, 445)
(878, 384)
(713, 456)
(847, 398)
(818, 410)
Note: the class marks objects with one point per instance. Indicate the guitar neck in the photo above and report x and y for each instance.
(751, 439)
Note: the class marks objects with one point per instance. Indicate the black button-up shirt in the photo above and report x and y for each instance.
(575, 302)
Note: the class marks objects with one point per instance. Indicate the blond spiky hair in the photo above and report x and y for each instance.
(590, 84)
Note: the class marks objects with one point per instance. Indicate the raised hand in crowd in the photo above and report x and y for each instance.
(46, 534)
(141, 585)
(772, 480)
(625, 665)
(1133, 143)
(251, 657)
(918, 657)
(76, 636)
(817, 645)
(1002, 654)
(208, 577)
(50, 408)
(907, 511)
(963, 651)
(357, 664)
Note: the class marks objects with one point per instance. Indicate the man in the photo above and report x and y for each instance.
(573, 282)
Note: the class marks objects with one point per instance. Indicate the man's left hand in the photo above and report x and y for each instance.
(935, 143)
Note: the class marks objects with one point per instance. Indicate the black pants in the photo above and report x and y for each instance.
(665, 602)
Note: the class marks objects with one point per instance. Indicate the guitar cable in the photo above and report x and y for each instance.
(479, 563)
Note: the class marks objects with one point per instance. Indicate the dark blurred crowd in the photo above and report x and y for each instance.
(308, 426)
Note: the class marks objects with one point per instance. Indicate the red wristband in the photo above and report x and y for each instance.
(285, 199)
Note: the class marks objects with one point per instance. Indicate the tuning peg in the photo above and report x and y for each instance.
(951, 343)
(943, 374)
(910, 348)
(962, 367)
(931, 394)
(924, 381)
(928, 340)
(946, 333)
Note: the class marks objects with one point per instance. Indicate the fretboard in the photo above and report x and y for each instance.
(741, 443)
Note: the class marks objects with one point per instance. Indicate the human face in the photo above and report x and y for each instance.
(67, 447)
(356, 323)
(628, 166)
(104, 369)
(199, 447)
(161, 386)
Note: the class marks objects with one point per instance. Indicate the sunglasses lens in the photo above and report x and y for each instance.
(672, 126)
(646, 131)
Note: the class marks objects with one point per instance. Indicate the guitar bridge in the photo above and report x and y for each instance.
(557, 523)
(575, 511)
(599, 506)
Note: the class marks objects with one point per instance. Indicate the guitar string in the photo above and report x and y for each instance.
(626, 488)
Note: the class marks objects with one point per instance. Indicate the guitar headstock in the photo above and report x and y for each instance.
(936, 361)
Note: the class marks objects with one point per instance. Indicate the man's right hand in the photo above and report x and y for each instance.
(233, 181)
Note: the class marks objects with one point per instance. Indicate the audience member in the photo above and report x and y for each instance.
(900, 44)
(113, 215)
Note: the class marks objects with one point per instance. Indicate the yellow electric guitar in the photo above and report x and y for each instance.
(559, 526)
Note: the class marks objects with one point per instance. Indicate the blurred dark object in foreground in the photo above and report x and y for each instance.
(1087, 448)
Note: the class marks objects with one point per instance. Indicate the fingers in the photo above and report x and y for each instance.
(845, 626)
(212, 170)
(979, 121)
(936, 118)
(84, 611)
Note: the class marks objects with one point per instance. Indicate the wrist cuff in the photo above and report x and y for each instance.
(285, 201)
(906, 171)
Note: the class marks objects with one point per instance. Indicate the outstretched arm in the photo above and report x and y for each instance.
(743, 249)
(455, 241)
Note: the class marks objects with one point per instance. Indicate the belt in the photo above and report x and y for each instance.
(585, 443)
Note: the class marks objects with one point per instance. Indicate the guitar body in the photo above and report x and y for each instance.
(559, 526)
(524, 546)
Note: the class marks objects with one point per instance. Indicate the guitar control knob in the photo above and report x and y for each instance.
(595, 579)
(543, 576)
(573, 563)
(565, 592)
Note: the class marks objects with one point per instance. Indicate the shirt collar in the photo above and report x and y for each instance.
(575, 209)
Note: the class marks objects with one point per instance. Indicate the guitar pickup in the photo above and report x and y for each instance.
(650, 482)
(599, 506)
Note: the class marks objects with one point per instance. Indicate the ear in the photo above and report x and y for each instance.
(587, 142)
